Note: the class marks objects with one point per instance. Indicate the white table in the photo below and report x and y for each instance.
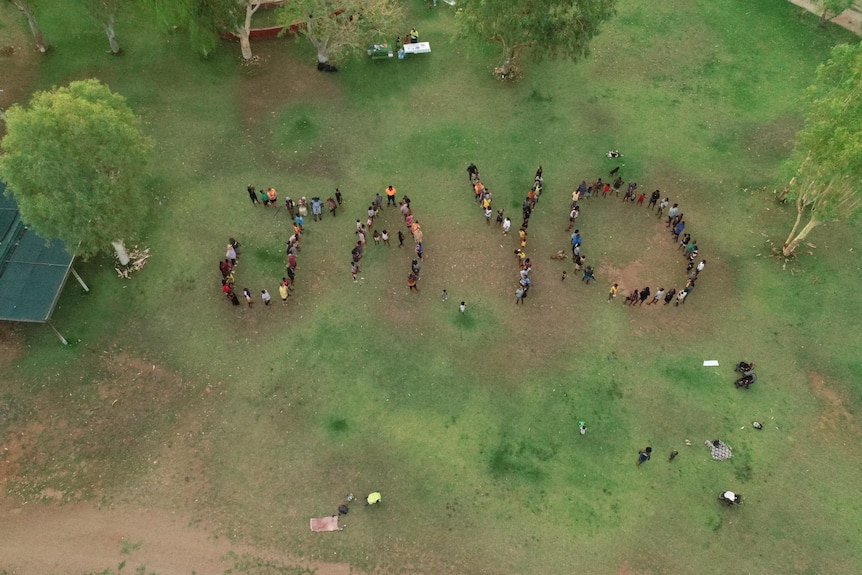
(417, 48)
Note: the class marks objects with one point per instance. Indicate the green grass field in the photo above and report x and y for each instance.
(467, 423)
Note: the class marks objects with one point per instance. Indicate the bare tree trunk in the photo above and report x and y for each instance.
(800, 208)
(791, 244)
(508, 58)
(34, 25)
(112, 37)
(506, 68)
(321, 47)
(122, 254)
(244, 31)
(244, 43)
(510, 55)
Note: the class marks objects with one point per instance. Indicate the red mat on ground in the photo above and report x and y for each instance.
(325, 523)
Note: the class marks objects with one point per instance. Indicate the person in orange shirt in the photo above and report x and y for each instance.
(411, 282)
(390, 196)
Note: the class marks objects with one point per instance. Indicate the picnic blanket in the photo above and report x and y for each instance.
(325, 523)
(721, 451)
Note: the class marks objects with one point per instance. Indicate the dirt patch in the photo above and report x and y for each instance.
(773, 139)
(835, 416)
(626, 569)
(85, 438)
(18, 445)
(263, 97)
(84, 539)
(11, 347)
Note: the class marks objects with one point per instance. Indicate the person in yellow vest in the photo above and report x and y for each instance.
(373, 498)
(414, 36)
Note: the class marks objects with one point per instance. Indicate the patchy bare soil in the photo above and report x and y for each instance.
(834, 416)
(54, 473)
(80, 538)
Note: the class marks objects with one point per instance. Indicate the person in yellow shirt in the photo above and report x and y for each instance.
(414, 36)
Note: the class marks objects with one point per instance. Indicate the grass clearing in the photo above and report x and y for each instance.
(250, 421)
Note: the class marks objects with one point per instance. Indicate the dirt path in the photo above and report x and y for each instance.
(850, 19)
(79, 538)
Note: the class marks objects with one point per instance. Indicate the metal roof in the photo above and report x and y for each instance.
(33, 270)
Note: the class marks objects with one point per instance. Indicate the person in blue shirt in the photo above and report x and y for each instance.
(576, 242)
(677, 229)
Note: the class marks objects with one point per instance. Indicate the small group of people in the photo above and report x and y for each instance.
(484, 198)
(415, 229)
(532, 198)
(267, 197)
(227, 268)
(228, 282)
(745, 368)
(729, 498)
(297, 210)
(525, 267)
(412, 225)
(291, 251)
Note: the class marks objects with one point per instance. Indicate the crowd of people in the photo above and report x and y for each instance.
(297, 211)
(629, 193)
(675, 222)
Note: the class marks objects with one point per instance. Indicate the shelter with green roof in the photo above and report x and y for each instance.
(33, 270)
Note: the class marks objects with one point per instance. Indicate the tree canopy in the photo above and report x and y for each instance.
(551, 28)
(828, 155)
(74, 161)
(337, 27)
(205, 20)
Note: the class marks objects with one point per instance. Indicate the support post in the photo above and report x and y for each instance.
(60, 335)
(80, 281)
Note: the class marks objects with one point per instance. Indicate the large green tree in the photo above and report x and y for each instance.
(828, 154)
(338, 27)
(74, 161)
(550, 28)
(27, 9)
